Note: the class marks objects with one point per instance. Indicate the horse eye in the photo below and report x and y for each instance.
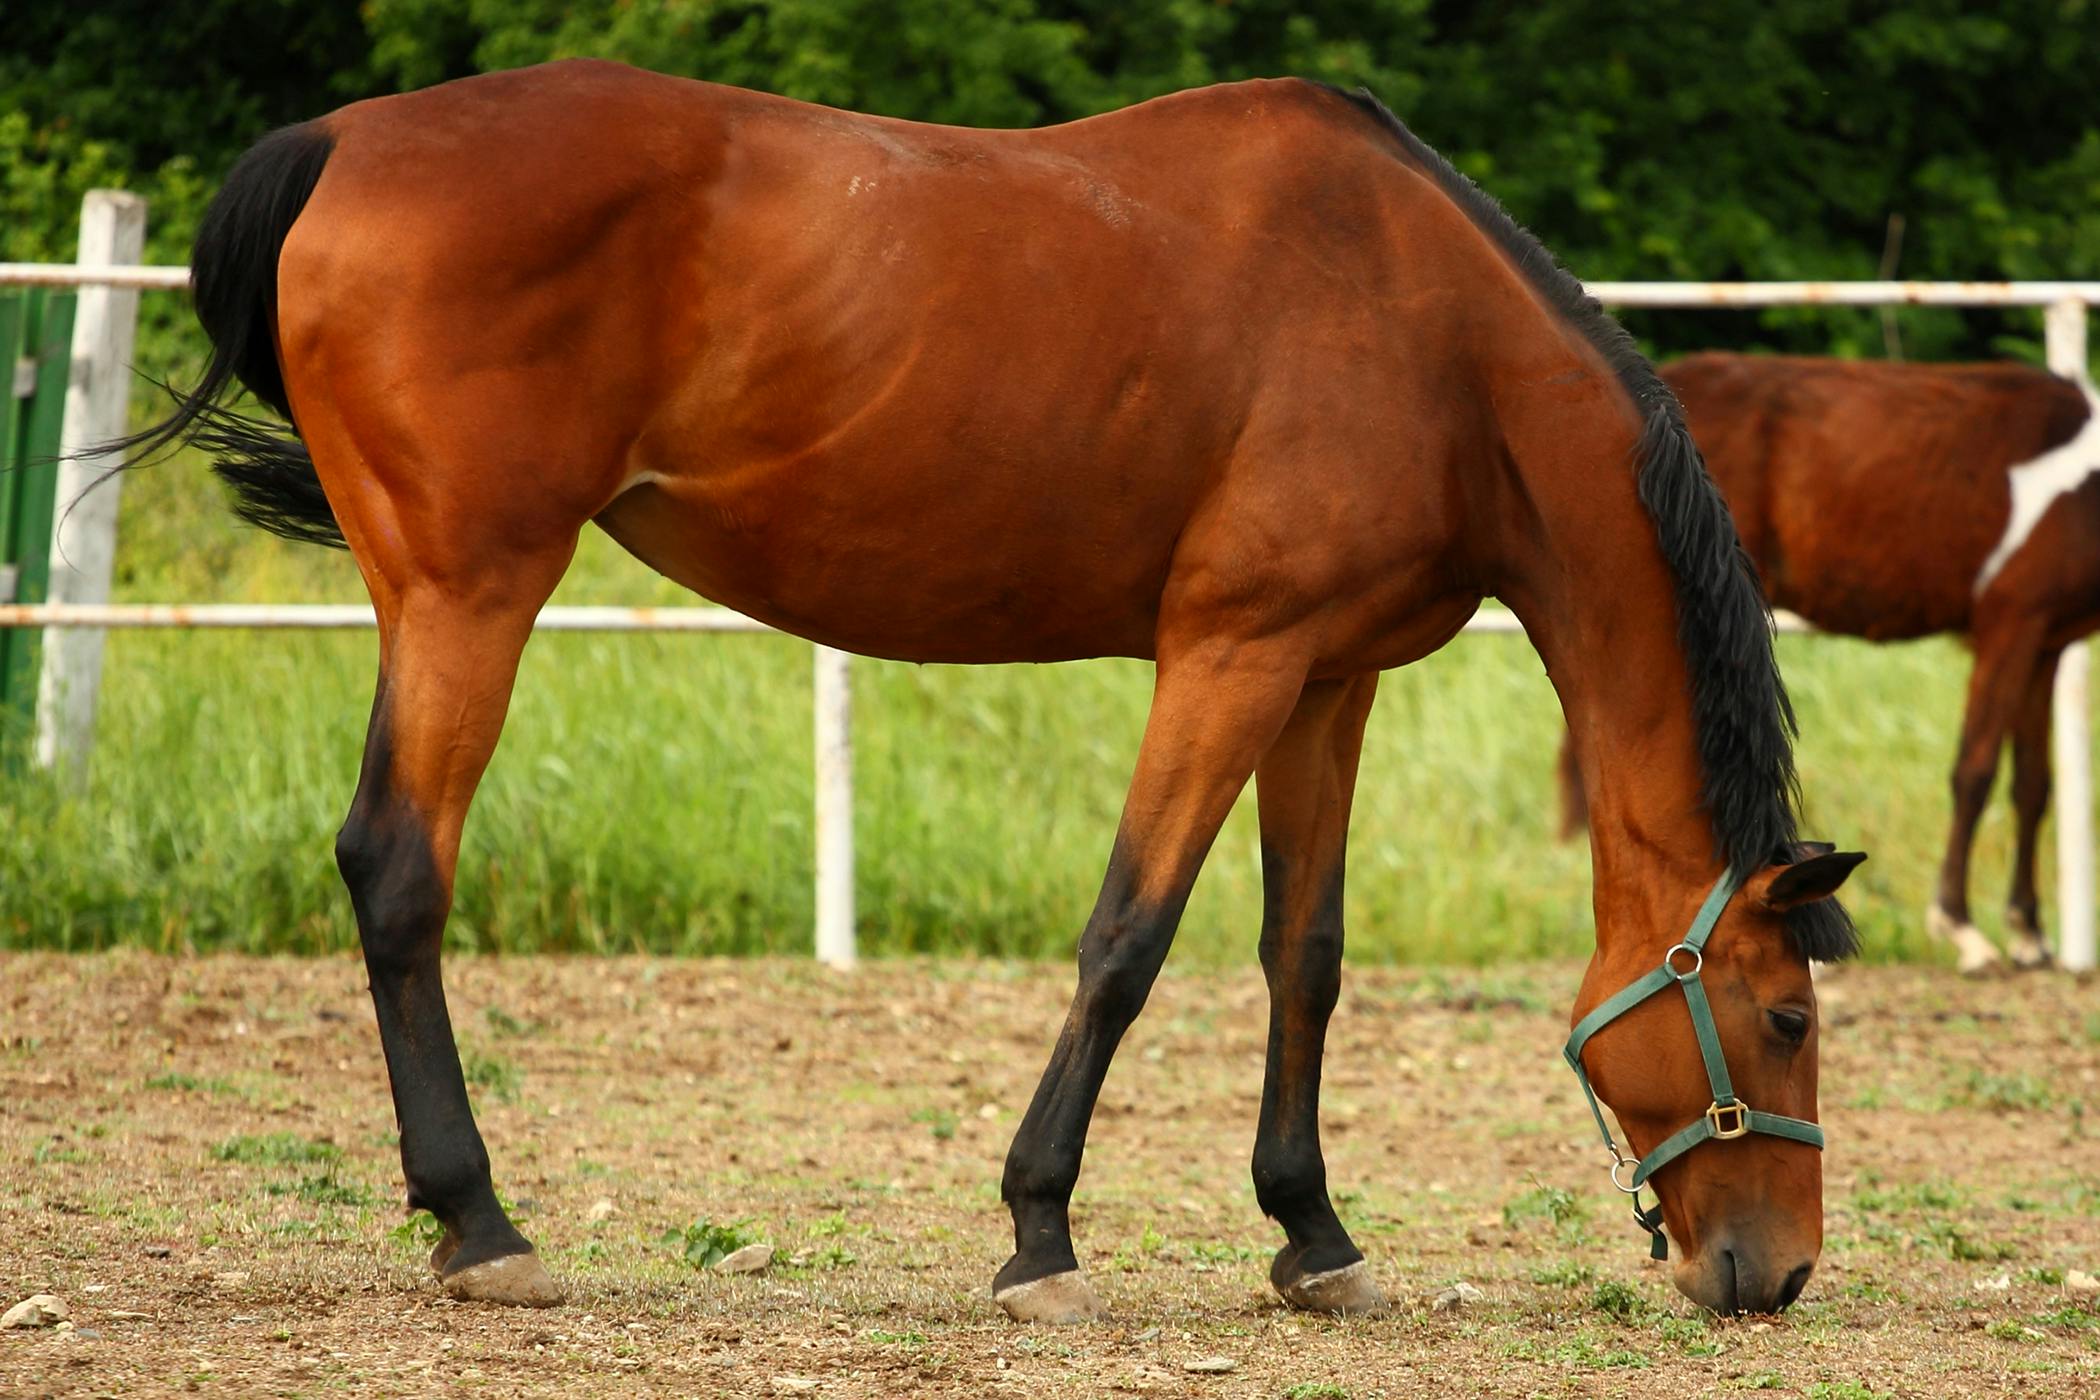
(1791, 1025)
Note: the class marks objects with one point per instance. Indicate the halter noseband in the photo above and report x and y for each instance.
(1727, 1117)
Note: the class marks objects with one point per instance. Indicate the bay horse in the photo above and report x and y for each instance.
(1893, 501)
(1244, 380)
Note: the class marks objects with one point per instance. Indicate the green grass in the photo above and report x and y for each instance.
(652, 793)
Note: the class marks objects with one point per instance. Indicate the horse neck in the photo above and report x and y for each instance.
(1587, 579)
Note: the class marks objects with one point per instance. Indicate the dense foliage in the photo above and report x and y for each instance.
(1726, 138)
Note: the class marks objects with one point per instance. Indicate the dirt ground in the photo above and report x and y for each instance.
(197, 1156)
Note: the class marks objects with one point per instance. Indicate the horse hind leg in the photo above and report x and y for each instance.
(1305, 785)
(2005, 661)
(456, 592)
(2030, 795)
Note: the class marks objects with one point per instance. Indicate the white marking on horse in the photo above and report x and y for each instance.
(2036, 484)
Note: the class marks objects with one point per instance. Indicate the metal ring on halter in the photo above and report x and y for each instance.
(1670, 961)
(1624, 1162)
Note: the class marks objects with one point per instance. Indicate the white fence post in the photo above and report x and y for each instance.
(834, 773)
(2065, 322)
(84, 540)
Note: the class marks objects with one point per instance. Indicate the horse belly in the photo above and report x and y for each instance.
(910, 588)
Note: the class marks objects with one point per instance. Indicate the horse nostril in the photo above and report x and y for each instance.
(1791, 1289)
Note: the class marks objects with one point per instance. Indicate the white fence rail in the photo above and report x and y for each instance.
(100, 265)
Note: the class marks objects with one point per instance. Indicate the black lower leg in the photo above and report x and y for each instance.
(1303, 966)
(401, 900)
(1120, 955)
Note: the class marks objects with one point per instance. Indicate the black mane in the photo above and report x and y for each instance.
(1740, 708)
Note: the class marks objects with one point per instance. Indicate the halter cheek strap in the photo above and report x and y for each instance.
(1727, 1116)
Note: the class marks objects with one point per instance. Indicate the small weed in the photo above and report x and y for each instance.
(1949, 1237)
(1761, 1380)
(2051, 1277)
(1847, 1390)
(1565, 1274)
(498, 1076)
(2072, 1316)
(832, 1257)
(900, 1339)
(1620, 1300)
(1206, 1252)
(188, 1084)
(1869, 1291)
(1683, 1331)
(326, 1189)
(421, 1230)
(1923, 1195)
(275, 1150)
(1552, 1203)
(704, 1243)
(1316, 1390)
(2005, 1092)
(505, 1024)
(940, 1122)
(2010, 1330)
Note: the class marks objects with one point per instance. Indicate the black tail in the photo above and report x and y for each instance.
(233, 276)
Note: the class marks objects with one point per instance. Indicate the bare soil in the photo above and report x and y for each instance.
(197, 1156)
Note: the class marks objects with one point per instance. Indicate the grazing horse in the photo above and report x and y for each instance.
(1246, 380)
(1891, 501)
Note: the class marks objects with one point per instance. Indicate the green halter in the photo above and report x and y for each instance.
(1727, 1117)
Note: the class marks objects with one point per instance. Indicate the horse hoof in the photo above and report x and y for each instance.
(515, 1280)
(442, 1254)
(1349, 1291)
(2030, 954)
(1974, 955)
(1057, 1301)
(2030, 951)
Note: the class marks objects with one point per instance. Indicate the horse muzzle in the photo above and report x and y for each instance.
(1735, 1275)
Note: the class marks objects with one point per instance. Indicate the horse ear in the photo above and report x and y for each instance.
(1816, 873)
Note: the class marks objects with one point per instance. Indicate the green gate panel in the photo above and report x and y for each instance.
(35, 326)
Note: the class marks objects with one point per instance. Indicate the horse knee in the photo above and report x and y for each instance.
(392, 875)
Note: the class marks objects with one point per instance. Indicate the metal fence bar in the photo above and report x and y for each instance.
(352, 616)
(2066, 337)
(1739, 294)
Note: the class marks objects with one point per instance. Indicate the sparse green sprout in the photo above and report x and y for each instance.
(275, 1149)
(704, 1243)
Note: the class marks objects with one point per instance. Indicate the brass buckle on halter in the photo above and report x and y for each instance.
(1726, 1128)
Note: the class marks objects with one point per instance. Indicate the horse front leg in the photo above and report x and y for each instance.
(1305, 785)
(1215, 709)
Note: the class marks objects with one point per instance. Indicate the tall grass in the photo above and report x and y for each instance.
(653, 792)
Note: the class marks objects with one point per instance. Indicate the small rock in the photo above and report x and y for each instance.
(1458, 1295)
(1210, 1365)
(749, 1260)
(2000, 1284)
(2080, 1284)
(63, 1327)
(37, 1310)
(601, 1211)
(1150, 1334)
(793, 1385)
(158, 1251)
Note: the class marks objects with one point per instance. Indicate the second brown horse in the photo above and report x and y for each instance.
(1891, 501)
(1247, 381)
